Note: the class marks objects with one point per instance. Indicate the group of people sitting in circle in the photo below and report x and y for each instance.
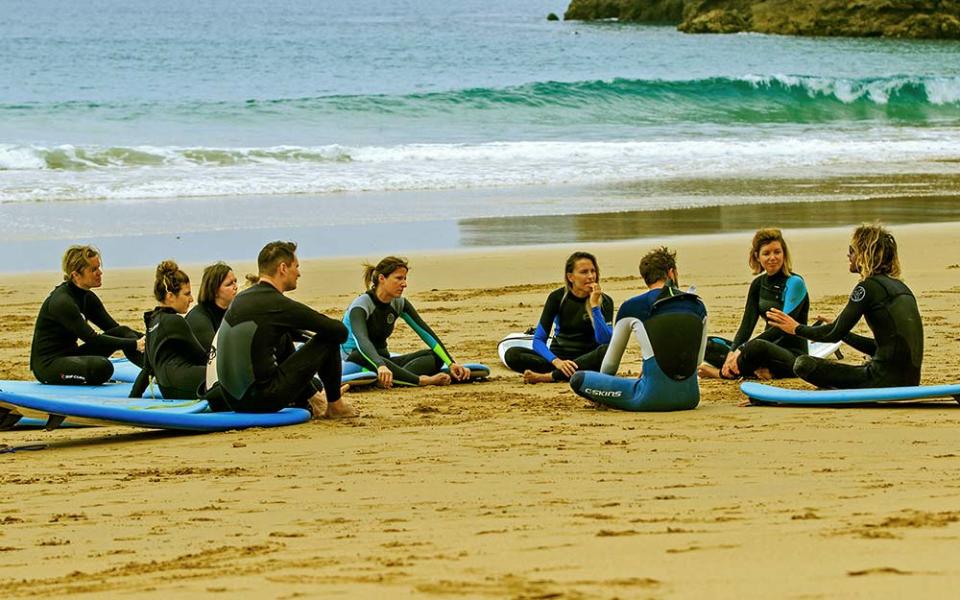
(260, 351)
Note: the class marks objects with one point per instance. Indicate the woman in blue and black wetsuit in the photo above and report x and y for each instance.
(579, 314)
(370, 320)
(890, 310)
(773, 351)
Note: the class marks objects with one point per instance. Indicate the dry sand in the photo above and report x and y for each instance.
(500, 490)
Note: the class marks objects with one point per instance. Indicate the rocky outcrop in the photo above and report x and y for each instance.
(932, 19)
(641, 11)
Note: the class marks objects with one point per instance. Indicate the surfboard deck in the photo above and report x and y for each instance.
(107, 390)
(760, 393)
(352, 372)
(184, 415)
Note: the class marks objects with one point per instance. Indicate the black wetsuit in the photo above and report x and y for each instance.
(772, 349)
(371, 322)
(174, 356)
(258, 368)
(204, 319)
(55, 356)
(576, 336)
(896, 349)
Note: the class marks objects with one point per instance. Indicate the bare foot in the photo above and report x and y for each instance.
(344, 388)
(341, 409)
(438, 379)
(763, 374)
(708, 371)
(532, 377)
(318, 405)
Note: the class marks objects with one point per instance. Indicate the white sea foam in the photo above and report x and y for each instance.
(938, 90)
(150, 173)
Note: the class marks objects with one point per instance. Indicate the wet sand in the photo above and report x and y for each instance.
(498, 489)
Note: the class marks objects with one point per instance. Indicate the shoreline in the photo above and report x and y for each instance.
(142, 250)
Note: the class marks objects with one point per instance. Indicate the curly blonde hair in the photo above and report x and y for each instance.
(874, 251)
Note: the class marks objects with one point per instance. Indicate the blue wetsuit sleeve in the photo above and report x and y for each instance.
(860, 299)
(794, 294)
(431, 339)
(550, 310)
(358, 328)
(602, 332)
(751, 312)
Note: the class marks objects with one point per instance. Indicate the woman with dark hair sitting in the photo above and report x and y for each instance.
(370, 320)
(578, 314)
(173, 355)
(218, 288)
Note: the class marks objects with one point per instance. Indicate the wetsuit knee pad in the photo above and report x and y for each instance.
(804, 366)
(576, 381)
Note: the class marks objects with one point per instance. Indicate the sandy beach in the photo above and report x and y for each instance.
(499, 489)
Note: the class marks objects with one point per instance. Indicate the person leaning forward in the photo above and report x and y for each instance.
(257, 366)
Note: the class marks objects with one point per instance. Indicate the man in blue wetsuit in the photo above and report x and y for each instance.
(670, 326)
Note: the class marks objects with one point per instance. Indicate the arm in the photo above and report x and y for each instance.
(545, 325)
(295, 315)
(187, 345)
(602, 316)
(751, 312)
(862, 343)
(431, 339)
(828, 332)
(358, 325)
(96, 313)
(67, 313)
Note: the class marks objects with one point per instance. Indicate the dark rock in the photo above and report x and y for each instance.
(553, 17)
(933, 19)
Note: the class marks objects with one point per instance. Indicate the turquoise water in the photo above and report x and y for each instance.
(154, 104)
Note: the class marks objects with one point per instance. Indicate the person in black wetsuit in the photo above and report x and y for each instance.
(579, 313)
(890, 310)
(65, 317)
(173, 355)
(771, 353)
(218, 288)
(257, 367)
(370, 320)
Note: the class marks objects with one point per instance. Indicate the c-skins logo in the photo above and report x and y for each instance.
(603, 393)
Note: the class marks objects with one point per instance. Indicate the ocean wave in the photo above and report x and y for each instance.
(751, 98)
(82, 158)
(169, 173)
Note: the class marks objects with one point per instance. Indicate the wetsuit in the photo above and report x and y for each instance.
(204, 319)
(257, 366)
(174, 356)
(55, 356)
(896, 349)
(577, 337)
(370, 323)
(671, 331)
(773, 349)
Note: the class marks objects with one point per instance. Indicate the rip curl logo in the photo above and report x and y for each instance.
(603, 393)
(858, 294)
(391, 318)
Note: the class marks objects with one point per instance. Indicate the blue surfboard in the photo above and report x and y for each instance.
(124, 370)
(354, 373)
(186, 415)
(767, 394)
(107, 390)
